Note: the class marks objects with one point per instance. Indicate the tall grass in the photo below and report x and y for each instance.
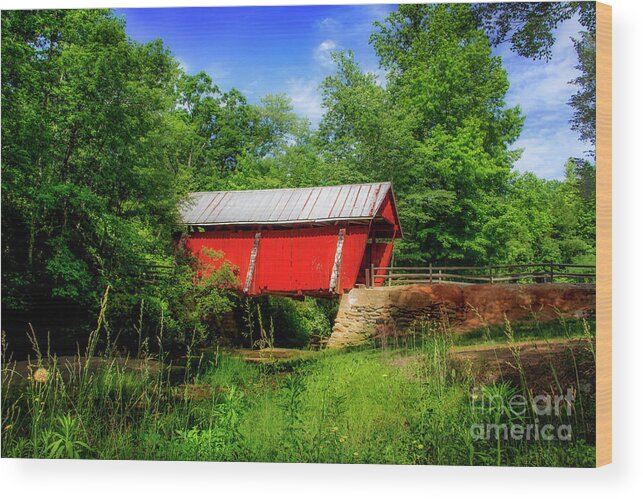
(405, 404)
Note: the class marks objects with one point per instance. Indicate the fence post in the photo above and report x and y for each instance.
(368, 279)
(490, 274)
(372, 275)
(430, 273)
(551, 272)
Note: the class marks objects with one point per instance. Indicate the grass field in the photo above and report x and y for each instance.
(417, 402)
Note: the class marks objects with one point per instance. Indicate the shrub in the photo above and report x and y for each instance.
(296, 322)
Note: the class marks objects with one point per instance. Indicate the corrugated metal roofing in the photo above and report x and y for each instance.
(285, 206)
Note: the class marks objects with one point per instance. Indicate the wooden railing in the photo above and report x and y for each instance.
(490, 274)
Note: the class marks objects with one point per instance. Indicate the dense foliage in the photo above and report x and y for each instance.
(529, 26)
(102, 137)
(584, 100)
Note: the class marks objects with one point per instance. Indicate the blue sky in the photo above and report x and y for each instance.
(262, 50)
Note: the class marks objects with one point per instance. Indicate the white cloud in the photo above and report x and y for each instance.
(306, 98)
(183, 65)
(328, 24)
(378, 11)
(323, 52)
(221, 75)
(542, 90)
(546, 151)
(544, 86)
(251, 88)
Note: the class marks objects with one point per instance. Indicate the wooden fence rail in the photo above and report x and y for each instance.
(515, 273)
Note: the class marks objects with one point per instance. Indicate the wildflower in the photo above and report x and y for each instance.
(8, 427)
(420, 446)
(342, 439)
(41, 375)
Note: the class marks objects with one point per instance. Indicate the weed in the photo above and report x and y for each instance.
(405, 404)
(64, 441)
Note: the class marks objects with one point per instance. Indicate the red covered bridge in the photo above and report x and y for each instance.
(315, 241)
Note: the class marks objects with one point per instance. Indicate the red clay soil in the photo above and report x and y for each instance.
(488, 304)
(491, 303)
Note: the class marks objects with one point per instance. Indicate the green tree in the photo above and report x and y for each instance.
(542, 220)
(529, 26)
(441, 75)
(583, 102)
(363, 135)
(88, 194)
(579, 195)
(280, 150)
(217, 130)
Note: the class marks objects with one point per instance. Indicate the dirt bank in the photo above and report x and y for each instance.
(364, 313)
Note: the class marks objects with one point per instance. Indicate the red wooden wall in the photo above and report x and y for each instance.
(288, 260)
(381, 258)
(379, 254)
(235, 246)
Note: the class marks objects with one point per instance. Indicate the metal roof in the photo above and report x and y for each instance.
(285, 206)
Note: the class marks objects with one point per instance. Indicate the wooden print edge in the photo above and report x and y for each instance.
(603, 234)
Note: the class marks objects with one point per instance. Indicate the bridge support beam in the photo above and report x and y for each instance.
(253, 259)
(334, 277)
